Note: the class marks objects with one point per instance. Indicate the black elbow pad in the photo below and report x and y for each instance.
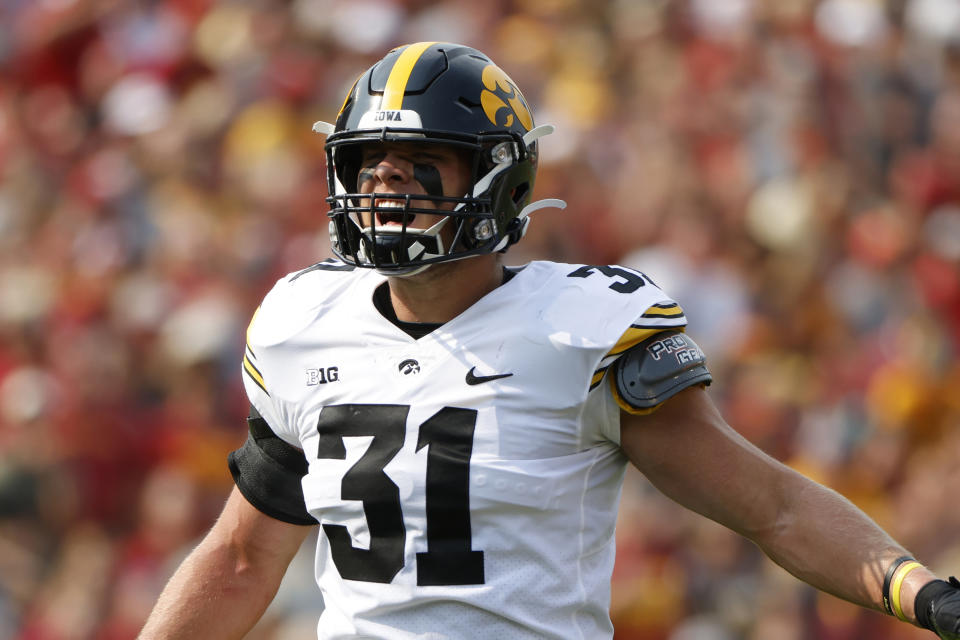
(658, 368)
(267, 471)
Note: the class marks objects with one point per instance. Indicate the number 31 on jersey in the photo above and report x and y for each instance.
(448, 434)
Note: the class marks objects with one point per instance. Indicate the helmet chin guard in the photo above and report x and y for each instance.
(394, 245)
(433, 93)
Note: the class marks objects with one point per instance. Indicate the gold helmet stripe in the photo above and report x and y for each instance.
(400, 74)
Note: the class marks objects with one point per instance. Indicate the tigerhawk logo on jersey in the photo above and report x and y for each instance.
(409, 366)
(496, 81)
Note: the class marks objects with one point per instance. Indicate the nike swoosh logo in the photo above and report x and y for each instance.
(474, 379)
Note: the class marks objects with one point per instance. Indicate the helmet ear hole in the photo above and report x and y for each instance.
(520, 193)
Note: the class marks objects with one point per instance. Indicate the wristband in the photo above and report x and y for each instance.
(895, 588)
(887, 578)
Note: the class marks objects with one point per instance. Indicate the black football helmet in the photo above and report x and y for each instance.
(433, 93)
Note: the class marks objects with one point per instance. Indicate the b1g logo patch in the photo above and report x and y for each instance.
(322, 375)
(501, 100)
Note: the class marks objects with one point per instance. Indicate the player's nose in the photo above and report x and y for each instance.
(392, 169)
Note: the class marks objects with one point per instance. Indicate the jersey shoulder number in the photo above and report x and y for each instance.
(619, 279)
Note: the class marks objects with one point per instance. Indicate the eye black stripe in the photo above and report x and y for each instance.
(429, 178)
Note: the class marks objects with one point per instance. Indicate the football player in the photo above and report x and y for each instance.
(453, 426)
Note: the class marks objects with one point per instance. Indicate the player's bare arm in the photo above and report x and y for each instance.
(692, 455)
(226, 583)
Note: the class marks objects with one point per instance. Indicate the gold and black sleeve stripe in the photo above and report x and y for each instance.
(640, 331)
(598, 377)
(251, 370)
(632, 336)
(249, 356)
(669, 311)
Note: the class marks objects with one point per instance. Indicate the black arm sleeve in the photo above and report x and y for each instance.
(658, 368)
(267, 471)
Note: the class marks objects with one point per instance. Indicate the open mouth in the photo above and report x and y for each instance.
(390, 217)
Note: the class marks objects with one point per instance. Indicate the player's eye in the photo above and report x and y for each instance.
(371, 160)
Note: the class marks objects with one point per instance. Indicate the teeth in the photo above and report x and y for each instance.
(388, 204)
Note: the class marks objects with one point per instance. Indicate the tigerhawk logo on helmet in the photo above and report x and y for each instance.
(434, 93)
(495, 79)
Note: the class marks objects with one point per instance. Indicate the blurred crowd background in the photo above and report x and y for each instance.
(789, 170)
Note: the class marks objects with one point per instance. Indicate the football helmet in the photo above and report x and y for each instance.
(433, 93)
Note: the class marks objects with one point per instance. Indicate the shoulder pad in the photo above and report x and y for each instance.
(656, 369)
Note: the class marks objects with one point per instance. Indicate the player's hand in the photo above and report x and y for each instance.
(938, 608)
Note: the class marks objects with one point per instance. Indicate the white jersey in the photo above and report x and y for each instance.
(466, 482)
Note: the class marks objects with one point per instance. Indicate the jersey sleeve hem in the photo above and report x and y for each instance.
(251, 493)
(268, 473)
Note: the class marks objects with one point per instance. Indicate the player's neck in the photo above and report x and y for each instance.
(445, 290)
